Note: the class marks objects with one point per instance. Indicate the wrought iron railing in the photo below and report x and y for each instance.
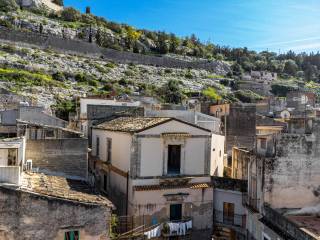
(250, 202)
(235, 220)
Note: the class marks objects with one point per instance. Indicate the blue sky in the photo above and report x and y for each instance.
(257, 24)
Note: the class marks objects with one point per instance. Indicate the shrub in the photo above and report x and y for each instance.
(108, 87)
(5, 23)
(70, 14)
(188, 75)
(93, 83)
(123, 82)
(58, 2)
(24, 78)
(8, 5)
(211, 93)
(59, 76)
(110, 65)
(80, 77)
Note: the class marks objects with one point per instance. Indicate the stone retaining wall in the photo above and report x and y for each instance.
(91, 49)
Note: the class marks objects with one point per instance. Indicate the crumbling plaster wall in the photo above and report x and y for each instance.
(196, 203)
(26, 216)
(293, 176)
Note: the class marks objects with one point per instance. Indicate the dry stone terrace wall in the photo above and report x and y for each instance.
(27, 216)
(81, 47)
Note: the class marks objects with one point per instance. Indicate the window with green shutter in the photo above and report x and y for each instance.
(72, 235)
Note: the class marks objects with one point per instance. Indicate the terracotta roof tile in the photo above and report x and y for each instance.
(132, 124)
(60, 187)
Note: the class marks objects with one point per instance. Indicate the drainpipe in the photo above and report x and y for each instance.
(127, 202)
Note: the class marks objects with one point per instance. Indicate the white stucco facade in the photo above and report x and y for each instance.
(150, 188)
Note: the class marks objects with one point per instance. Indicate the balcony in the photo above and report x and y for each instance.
(10, 175)
(237, 221)
(251, 203)
(129, 227)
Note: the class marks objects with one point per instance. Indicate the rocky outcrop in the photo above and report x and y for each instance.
(39, 4)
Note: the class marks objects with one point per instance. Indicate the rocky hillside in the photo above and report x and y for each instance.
(50, 76)
(46, 75)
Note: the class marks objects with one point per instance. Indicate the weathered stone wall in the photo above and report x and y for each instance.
(241, 126)
(295, 171)
(63, 156)
(81, 47)
(26, 216)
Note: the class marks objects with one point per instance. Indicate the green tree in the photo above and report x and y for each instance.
(8, 5)
(237, 69)
(70, 14)
(174, 43)
(310, 72)
(163, 45)
(290, 67)
(172, 92)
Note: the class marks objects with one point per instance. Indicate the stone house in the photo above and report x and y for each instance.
(158, 168)
(35, 206)
(52, 207)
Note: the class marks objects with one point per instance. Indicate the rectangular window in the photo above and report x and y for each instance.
(175, 212)
(109, 148)
(72, 235)
(12, 156)
(228, 213)
(174, 159)
(97, 146)
(263, 143)
(49, 133)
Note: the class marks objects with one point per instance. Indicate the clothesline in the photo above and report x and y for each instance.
(176, 228)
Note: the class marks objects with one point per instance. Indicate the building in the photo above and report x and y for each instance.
(158, 168)
(51, 207)
(229, 211)
(258, 82)
(45, 194)
(95, 110)
(239, 124)
(14, 122)
(283, 187)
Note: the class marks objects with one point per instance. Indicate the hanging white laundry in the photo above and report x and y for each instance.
(174, 228)
(182, 229)
(189, 224)
(156, 232)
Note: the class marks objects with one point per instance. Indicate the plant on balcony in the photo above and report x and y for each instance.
(165, 229)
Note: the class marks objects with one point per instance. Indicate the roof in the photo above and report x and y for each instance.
(309, 224)
(63, 188)
(49, 126)
(138, 124)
